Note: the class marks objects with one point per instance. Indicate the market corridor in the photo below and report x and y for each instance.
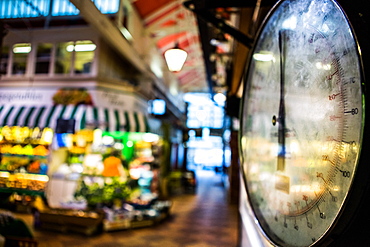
(204, 219)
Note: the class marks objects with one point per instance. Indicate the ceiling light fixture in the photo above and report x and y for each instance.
(175, 58)
(22, 48)
(81, 47)
(219, 98)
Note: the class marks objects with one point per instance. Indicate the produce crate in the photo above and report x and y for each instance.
(64, 220)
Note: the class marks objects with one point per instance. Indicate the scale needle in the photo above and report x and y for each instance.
(281, 117)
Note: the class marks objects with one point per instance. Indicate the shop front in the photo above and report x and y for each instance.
(94, 165)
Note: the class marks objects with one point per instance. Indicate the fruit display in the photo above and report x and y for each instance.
(10, 163)
(32, 182)
(14, 163)
(83, 136)
(29, 150)
(24, 157)
(17, 134)
(112, 167)
(97, 189)
(37, 167)
(40, 150)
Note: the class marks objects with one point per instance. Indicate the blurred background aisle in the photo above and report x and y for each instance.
(201, 219)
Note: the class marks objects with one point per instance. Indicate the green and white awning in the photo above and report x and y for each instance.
(114, 120)
(86, 117)
(37, 116)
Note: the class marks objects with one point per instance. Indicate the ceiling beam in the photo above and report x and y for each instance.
(112, 34)
(241, 52)
(205, 39)
(206, 12)
(198, 7)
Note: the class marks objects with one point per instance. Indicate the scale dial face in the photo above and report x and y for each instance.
(302, 121)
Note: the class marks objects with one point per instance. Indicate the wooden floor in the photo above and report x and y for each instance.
(203, 219)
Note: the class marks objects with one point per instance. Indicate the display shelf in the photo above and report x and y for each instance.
(22, 182)
(16, 172)
(135, 216)
(22, 191)
(116, 225)
(27, 149)
(27, 175)
(23, 167)
(25, 156)
(141, 223)
(25, 142)
(29, 168)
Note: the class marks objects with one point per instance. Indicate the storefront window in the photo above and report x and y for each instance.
(63, 58)
(43, 56)
(79, 53)
(4, 59)
(84, 56)
(20, 56)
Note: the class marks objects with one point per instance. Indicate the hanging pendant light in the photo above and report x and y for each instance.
(175, 58)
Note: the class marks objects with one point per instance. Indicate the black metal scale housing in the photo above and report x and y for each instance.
(304, 136)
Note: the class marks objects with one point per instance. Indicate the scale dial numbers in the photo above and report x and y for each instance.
(300, 145)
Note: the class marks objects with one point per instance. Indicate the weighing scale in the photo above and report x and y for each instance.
(304, 139)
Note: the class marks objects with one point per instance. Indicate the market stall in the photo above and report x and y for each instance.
(114, 172)
(62, 153)
(24, 158)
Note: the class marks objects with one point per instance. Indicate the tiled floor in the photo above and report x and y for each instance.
(204, 219)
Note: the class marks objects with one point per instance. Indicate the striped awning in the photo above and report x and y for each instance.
(114, 120)
(86, 117)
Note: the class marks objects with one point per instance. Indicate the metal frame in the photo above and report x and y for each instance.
(203, 10)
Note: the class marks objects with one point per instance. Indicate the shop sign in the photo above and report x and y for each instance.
(124, 101)
(73, 96)
(19, 97)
